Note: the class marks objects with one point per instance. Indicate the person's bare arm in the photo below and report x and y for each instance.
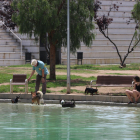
(134, 86)
(31, 75)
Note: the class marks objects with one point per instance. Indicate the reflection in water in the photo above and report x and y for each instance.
(84, 122)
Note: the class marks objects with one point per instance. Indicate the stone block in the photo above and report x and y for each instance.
(117, 99)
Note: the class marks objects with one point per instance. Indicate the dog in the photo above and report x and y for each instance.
(91, 91)
(36, 97)
(67, 103)
(15, 100)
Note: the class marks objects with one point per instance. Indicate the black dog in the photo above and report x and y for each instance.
(67, 103)
(91, 91)
(15, 100)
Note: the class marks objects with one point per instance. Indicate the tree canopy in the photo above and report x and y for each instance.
(136, 17)
(103, 21)
(50, 16)
(41, 16)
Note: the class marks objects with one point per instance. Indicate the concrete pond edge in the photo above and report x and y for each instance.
(79, 99)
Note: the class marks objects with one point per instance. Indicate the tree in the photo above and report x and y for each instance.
(104, 21)
(136, 17)
(50, 16)
(6, 14)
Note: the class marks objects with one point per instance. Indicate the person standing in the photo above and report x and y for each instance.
(42, 72)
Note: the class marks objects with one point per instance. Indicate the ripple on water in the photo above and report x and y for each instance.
(51, 121)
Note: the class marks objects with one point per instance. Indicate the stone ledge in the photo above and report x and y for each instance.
(100, 98)
(76, 102)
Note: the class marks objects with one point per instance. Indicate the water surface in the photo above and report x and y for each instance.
(84, 122)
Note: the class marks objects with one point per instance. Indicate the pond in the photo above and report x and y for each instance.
(84, 122)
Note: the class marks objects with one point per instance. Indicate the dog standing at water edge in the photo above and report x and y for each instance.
(16, 99)
(90, 90)
(36, 97)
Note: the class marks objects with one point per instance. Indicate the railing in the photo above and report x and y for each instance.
(16, 37)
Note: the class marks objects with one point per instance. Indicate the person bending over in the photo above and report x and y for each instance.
(136, 91)
(42, 72)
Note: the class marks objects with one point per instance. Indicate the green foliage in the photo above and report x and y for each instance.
(117, 74)
(72, 91)
(25, 65)
(132, 66)
(5, 77)
(136, 17)
(36, 17)
(136, 11)
(75, 81)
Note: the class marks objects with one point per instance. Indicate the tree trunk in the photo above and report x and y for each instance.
(52, 61)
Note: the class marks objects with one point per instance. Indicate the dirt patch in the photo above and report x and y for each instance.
(101, 90)
(5, 84)
(103, 72)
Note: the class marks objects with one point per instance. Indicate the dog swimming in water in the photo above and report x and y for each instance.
(67, 103)
(36, 97)
(15, 100)
(91, 91)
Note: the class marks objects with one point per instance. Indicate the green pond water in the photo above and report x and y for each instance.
(84, 122)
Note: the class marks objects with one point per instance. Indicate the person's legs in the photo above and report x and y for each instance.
(136, 95)
(38, 79)
(44, 85)
(130, 95)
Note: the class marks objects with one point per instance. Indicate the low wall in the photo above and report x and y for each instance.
(101, 98)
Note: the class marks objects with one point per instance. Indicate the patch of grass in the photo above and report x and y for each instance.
(18, 89)
(132, 66)
(4, 78)
(4, 88)
(75, 81)
(64, 77)
(118, 94)
(72, 91)
(117, 74)
(26, 65)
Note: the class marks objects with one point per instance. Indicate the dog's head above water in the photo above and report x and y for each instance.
(67, 103)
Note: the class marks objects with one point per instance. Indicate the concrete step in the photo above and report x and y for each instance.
(29, 42)
(18, 49)
(119, 31)
(119, 3)
(104, 54)
(107, 42)
(33, 48)
(5, 35)
(122, 20)
(7, 48)
(121, 0)
(105, 48)
(23, 36)
(2, 30)
(102, 60)
(9, 62)
(121, 8)
(116, 14)
(115, 36)
(122, 25)
(9, 42)
(126, 46)
(11, 55)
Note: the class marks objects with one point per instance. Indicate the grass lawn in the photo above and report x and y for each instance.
(7, 72)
